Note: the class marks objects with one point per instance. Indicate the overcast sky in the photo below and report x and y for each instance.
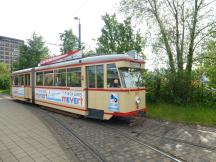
(20, 18)
(48, 18)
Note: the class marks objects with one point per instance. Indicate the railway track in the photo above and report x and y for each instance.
(81, 140)
(139, 133)
(182, 141)
(100, 157)
(109, 127)
(148, 145)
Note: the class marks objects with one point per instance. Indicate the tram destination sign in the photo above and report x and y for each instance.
(135, 65)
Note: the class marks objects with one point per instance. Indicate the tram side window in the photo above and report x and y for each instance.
(27, 79)
(95, 76)
(15, 81)
(74, 77)
(112, 76)
(48, 78)
(39, 78)
(21, 80)
(91, 76)
(100, 76)
(60, 77)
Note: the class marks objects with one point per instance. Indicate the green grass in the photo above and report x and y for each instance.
(194, 114)
(5, 91)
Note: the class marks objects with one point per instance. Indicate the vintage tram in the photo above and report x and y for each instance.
(96, 87)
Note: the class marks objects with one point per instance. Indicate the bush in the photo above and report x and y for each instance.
(4, 76)
(159, 89)
(4, 82)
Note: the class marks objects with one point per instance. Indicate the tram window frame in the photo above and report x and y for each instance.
(48, 78)
(60, 77)
(41, 78)
(21, 80)
(98, 81)
(113, 82)
(91, 81)
(27, 79)
(77, 82)
(16, 80)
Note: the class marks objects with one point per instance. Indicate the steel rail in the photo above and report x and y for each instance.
(83, 142)
(152, 147)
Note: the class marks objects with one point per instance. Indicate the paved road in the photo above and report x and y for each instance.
(186, 142)
(24, 137)
(102, 140)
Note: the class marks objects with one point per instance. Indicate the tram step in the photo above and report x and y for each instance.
(96, 114)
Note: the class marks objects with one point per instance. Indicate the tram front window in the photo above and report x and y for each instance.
(131, 78)
(112, 76)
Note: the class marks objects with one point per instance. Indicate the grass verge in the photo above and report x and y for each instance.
(5, 91)
(194, 114)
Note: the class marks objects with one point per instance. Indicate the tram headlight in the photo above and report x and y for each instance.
(138, 100)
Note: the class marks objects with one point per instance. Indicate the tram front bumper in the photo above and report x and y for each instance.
(140, 112)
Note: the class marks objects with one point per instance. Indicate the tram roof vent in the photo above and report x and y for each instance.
(133, 54)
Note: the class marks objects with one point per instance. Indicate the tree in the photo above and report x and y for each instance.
(4, 76)
(32, 53)
(180, 26)
(69, 41)
(208, 60)
(118, 37)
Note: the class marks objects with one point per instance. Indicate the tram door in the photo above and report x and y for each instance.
(95, 81)
(27, 89)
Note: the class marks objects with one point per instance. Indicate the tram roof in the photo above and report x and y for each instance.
(22, 71)
(85, 60)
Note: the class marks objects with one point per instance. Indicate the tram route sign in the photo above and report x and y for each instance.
(114, 102)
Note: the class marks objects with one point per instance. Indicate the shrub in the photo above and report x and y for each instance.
(4, 76)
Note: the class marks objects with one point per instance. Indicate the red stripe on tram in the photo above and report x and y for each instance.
(131, 113)
(116, 89)
(62, 105)
(94, 89)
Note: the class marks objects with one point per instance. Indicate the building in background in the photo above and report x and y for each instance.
(9, 50)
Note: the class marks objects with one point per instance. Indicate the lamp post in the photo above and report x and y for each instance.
(77, 18)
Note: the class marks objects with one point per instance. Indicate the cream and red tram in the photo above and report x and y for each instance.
(97, 87)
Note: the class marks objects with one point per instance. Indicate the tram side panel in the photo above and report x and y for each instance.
(18, 92)
(28, 89)
(20, 88)
(117, 102)
(70, 99)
